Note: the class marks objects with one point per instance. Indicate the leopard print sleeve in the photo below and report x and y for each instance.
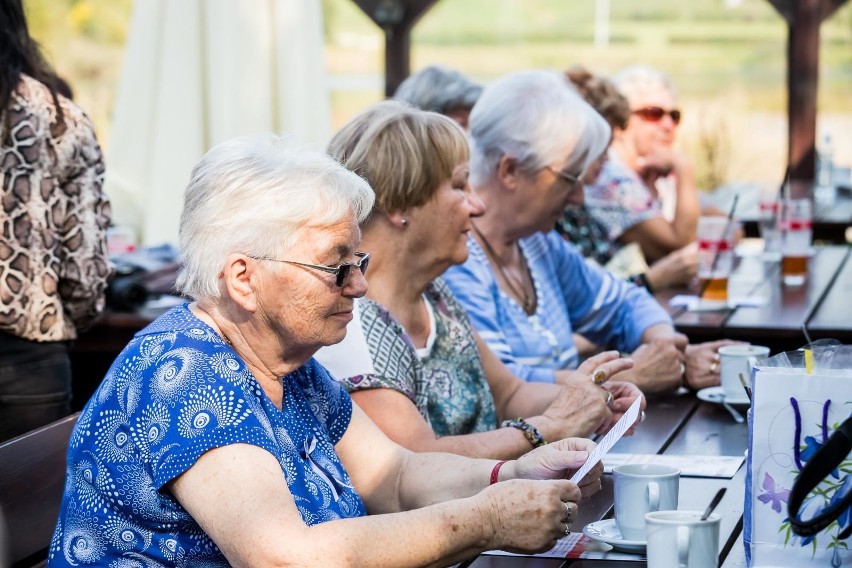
(53, 259)
(85, 264)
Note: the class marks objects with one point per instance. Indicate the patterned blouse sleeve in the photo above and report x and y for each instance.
(329, 400)
(200, 396)
(80, 174)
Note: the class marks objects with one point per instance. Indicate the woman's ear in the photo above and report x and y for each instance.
(508, 172)
(239, 278)
(398, 219)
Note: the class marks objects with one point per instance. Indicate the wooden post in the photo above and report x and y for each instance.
(397, 18)
(803, 18)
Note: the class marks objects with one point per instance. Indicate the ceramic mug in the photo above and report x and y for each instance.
(640, 488)
(736, 359)
(680, 539)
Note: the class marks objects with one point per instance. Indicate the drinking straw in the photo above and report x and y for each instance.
(719, 249)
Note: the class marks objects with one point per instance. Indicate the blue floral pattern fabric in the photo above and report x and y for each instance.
(175, 392)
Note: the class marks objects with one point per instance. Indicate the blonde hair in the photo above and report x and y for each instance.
(404, 153)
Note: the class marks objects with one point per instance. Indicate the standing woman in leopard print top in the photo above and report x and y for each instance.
(53, 218)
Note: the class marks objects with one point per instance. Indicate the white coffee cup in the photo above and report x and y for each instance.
(680, 539)
(640, 488)
(736, 359)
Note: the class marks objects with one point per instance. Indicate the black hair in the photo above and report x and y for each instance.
(21, 54)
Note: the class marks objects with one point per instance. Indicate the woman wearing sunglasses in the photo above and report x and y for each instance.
(410, 357)
(216, 439)
(625, 196)
(585, 231)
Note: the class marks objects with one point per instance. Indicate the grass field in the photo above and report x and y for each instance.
(727, 62)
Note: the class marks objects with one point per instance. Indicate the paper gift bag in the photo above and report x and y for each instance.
(793, 413)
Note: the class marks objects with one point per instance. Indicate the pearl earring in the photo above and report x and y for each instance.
(404, 222)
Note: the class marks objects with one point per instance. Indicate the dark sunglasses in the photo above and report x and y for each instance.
(656, 114)
(341, 271)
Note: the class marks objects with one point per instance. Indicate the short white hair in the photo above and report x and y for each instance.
(252, 195)
(636, 80)
(532, 116)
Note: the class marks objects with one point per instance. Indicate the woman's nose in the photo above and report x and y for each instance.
(355, 285)
(475, 203)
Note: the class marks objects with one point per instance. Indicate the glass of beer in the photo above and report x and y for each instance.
(768, 223)
(796, 235)
(715, 236)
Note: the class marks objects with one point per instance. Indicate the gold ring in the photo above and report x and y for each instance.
(599, 377)
(714, 366)
(568, 510)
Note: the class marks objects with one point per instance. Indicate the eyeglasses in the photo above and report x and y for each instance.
(572, 180)
(656, 114)
(341, 271)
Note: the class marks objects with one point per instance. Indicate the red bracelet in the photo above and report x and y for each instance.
(495, 471)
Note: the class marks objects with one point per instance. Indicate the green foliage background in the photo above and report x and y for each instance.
(729, 63)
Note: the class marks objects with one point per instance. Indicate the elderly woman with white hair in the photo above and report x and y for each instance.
(525, 288)
(215, 438)
(626, 195)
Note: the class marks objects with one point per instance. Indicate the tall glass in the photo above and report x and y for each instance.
(768, 224)
(715, 236)
(796, 231)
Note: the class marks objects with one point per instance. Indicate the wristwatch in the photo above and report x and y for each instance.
(532, 434)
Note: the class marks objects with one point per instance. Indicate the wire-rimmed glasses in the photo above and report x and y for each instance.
(341, 271)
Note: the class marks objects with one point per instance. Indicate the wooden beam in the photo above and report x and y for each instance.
(785, 8)
(802, 84)
(396, 18)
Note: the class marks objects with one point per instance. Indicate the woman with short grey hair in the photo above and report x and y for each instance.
(525, 288)
(440, 89)
(217, 439)
(535, 134)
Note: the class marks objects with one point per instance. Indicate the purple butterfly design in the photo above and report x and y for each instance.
(773, 496)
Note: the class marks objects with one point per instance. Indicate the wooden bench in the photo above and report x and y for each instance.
(32, 478)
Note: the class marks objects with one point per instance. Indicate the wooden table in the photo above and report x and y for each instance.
(822, 305)
(677, 424)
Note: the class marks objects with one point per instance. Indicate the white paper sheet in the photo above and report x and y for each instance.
(614, 435)
(689, 465)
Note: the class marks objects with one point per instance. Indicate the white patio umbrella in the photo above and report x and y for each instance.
(197, 72)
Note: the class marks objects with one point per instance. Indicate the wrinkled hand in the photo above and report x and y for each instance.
(527, 515)
(702, 363)
(657, 365)
(623, 395)
(581, 406)
(560, 460)
(674, 269)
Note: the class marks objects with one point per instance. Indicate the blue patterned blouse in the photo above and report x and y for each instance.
(571, 296)
(176, 391)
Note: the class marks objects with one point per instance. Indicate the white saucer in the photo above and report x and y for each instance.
(716, 395)
(607, 531)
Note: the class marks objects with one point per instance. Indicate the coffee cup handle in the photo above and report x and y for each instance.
(683, 547)
(654, 496)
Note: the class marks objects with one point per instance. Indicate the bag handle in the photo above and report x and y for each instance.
(821, 464)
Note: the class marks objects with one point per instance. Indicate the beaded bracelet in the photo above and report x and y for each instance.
(531, 432)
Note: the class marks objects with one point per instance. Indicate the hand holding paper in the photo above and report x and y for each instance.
(609, 440)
